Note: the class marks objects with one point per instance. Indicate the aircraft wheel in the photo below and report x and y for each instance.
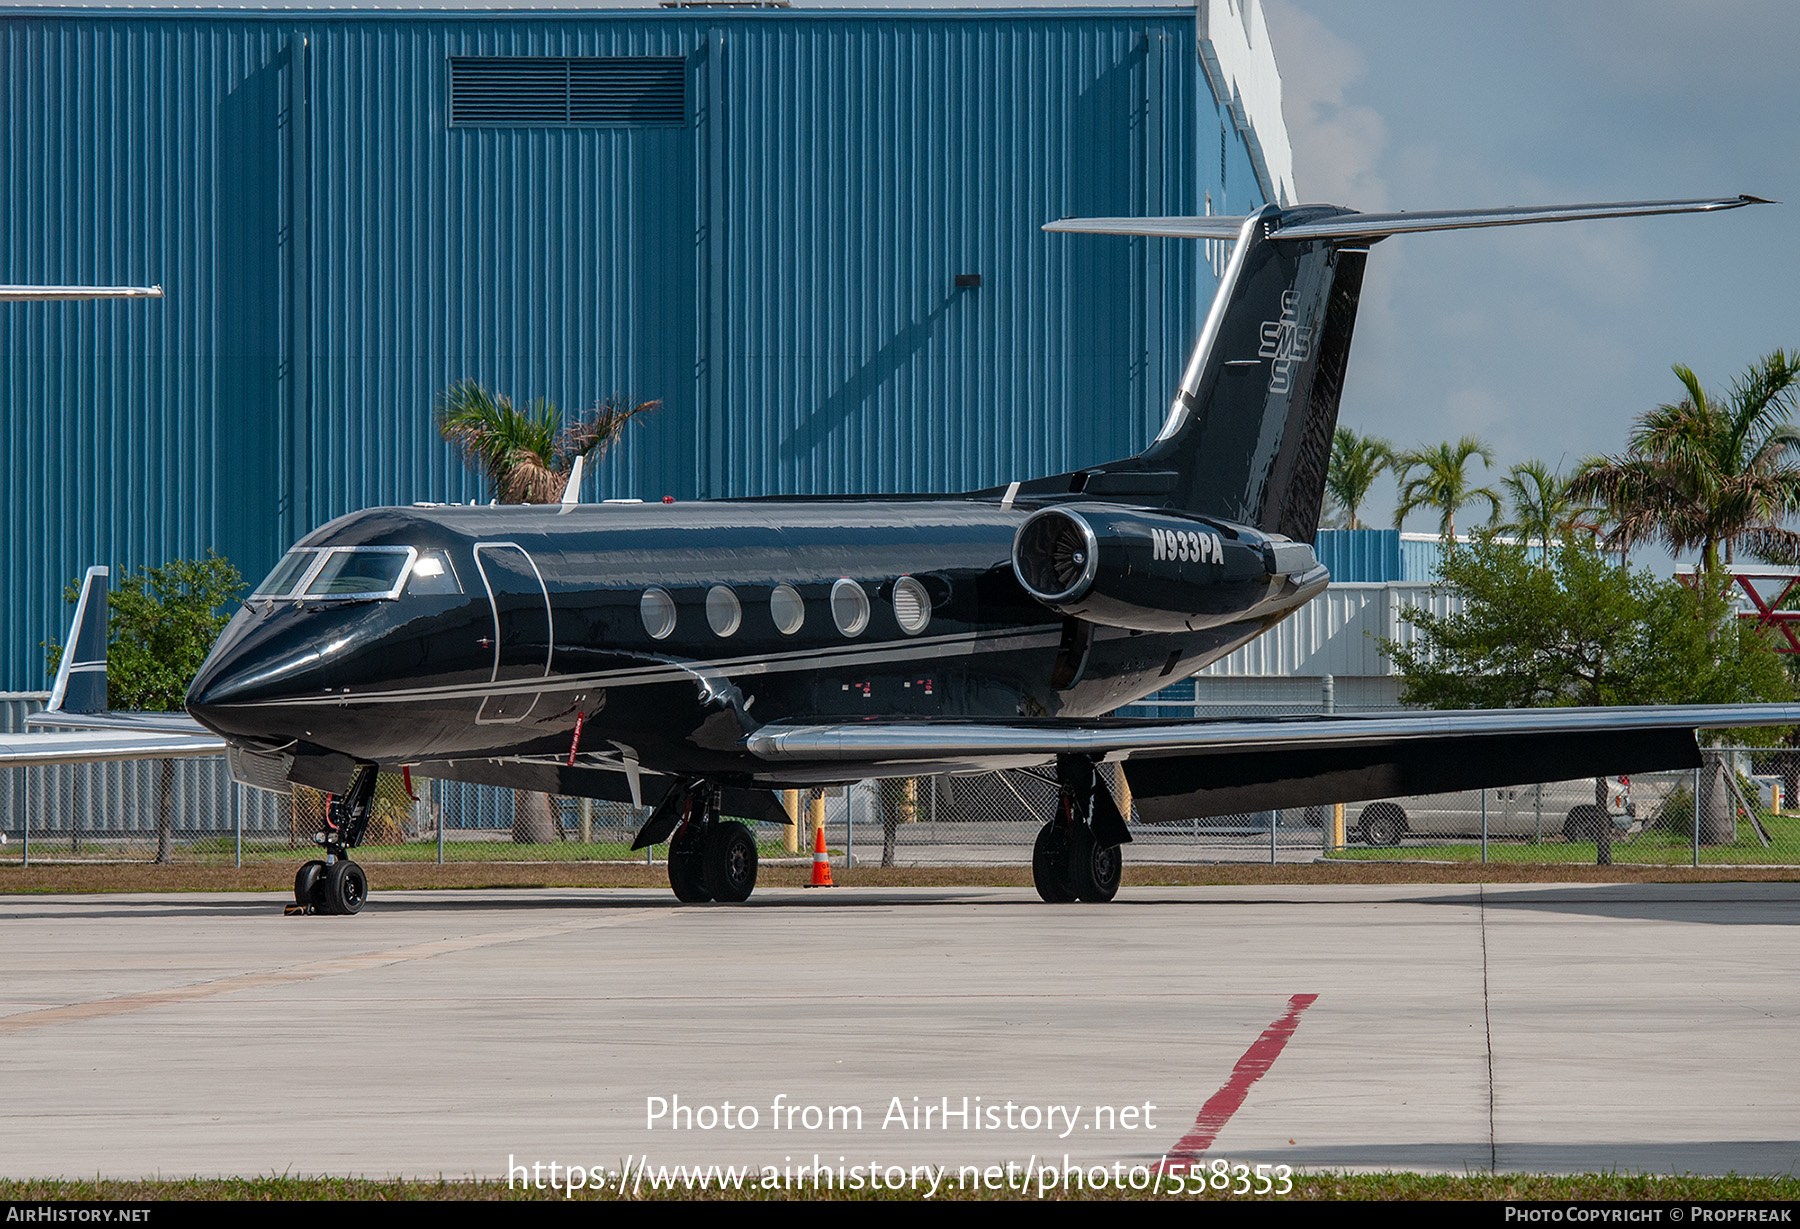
(687, 865)
(1096, 867)
(687, 878)
(1383, 824)
(729, 864)
(1050, 864)
(346, 888)
(309, 882)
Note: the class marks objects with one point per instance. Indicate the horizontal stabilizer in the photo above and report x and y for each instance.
(1373, 226)
(26, 750)
(35, 294)
(118, 723)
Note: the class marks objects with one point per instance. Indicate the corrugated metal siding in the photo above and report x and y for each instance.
(1420, 555)
(1359, 556)
(778, 270)
(15, 706)
(1336, 633)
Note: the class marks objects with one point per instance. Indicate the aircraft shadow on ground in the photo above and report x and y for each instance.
(1718, 904)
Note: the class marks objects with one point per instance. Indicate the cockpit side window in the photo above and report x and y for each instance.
(433, 574)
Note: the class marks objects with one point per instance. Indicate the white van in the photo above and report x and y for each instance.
(1573, 810)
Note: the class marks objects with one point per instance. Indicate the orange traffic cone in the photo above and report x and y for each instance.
(821, 863)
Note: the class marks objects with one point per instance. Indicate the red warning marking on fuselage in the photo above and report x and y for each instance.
(1250, 1068)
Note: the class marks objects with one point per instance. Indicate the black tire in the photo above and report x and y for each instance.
(1584, 823)
(309, 884)
(346, 888)
(1383, 824)
(687, 866)
(1050, 864)
(1095, 868)
(729, 864)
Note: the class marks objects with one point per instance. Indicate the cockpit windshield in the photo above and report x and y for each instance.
(362, 572)
(357, 573)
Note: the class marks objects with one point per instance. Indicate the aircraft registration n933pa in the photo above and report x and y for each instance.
(702, 655)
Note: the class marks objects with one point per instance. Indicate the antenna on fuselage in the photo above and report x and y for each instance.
(572, 488)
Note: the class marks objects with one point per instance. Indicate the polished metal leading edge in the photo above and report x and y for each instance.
(976, 739)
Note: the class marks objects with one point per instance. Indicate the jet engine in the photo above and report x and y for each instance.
(1157, 571)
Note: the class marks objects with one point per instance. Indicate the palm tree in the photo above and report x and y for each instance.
(1543, 508)
(1709, 472)
(527, 454)
(1356, 461)
(1437, 477)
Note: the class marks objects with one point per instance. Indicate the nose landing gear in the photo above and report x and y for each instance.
(337, 885)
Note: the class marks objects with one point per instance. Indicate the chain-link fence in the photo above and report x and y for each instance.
(191, 811)
(1746, 815)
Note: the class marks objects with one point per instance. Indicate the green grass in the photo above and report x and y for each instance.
(1656, 847)
(1308, 1187)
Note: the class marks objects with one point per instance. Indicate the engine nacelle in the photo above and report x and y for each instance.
(1158, 571)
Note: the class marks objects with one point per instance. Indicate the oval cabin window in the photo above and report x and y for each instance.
(849, 607)
(657, 609)
(788, 609)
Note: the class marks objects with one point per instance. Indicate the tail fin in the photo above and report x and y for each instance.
(1248, 437)
(81, 676)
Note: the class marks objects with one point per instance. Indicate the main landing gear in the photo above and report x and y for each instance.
(709, 858)
(336, 884)
(1077, 855)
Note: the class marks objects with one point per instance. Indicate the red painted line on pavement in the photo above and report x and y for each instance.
(1250, 1068)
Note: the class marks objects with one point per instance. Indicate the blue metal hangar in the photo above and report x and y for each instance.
(811, 231)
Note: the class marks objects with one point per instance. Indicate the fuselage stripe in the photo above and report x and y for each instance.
(957, 645)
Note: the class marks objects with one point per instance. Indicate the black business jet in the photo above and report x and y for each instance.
(701, 656)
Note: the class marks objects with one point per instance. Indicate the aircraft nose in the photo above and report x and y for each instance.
(223, 684)
(247, 670)
(216, 686)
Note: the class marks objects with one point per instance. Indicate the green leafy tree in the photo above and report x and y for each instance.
(1438, 478)
(1709, 473)
(1356, 461)
(527, 454)
(1579, 632)
(162, 622)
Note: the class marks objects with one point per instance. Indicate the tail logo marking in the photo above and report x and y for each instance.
(1286, 342)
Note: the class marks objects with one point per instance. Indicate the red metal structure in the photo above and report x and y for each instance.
(1770, 613)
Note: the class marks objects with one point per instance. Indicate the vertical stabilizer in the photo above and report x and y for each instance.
(1249, 433)
(1248, 437)
(81, 676)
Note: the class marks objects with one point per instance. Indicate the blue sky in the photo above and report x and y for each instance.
(1548, 341)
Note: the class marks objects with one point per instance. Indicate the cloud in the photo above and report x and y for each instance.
(1337, 144)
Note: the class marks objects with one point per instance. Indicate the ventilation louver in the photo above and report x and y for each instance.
(543, 91)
